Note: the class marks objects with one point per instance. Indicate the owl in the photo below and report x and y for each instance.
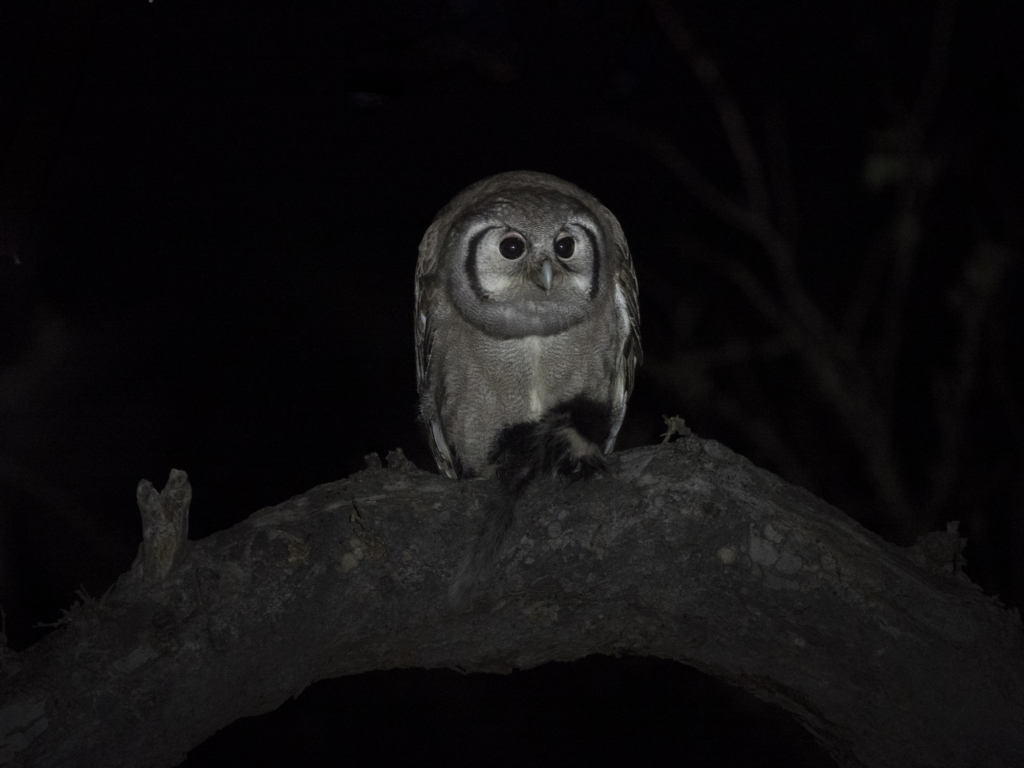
(527, 330)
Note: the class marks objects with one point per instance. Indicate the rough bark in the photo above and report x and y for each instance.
(890, 657)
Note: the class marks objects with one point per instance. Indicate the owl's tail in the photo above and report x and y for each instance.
(566, 441)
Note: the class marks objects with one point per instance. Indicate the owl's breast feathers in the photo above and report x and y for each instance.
(560, 392)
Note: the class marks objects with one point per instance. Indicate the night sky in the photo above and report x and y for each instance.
(209, 215)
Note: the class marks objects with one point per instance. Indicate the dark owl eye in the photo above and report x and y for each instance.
(564, 246)
(512, 247)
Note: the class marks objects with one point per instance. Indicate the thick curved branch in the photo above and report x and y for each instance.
(890, 657)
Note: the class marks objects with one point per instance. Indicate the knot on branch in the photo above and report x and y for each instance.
(940, 550)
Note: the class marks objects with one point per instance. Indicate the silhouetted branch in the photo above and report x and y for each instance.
(853, 367)
(729, 113)
(982, 278)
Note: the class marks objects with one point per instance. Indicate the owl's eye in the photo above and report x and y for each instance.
(512, 247)
(564, 246)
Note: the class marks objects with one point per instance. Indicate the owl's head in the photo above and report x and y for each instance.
(523, 254)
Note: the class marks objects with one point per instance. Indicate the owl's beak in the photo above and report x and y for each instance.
(542, 277)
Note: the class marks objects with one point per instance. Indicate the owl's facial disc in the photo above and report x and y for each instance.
(527, 269)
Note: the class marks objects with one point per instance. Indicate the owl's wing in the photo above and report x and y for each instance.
(427, 288)
(426, 301)
(627, 300)
(627, 311)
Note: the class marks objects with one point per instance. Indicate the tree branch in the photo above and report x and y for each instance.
(686, 551)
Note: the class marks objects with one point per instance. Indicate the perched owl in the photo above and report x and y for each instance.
(527, 330)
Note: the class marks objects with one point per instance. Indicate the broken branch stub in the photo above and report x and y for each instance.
(164, 524)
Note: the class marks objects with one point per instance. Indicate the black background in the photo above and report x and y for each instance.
(209, 215)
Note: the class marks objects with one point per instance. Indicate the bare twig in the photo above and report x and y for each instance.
(780, 172)
(905, 234)
(917, 178)
(849, 393)
(831, 361)
(703, 190)
(757, 221)
(728, 109)
(864, 297)
(860, 396)
(938, 64)
(982, 278)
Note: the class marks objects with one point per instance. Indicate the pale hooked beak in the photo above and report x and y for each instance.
(544, 275)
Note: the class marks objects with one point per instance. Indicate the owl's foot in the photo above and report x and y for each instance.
(583, 468)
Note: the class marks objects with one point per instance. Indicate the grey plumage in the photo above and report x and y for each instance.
(527, 335)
